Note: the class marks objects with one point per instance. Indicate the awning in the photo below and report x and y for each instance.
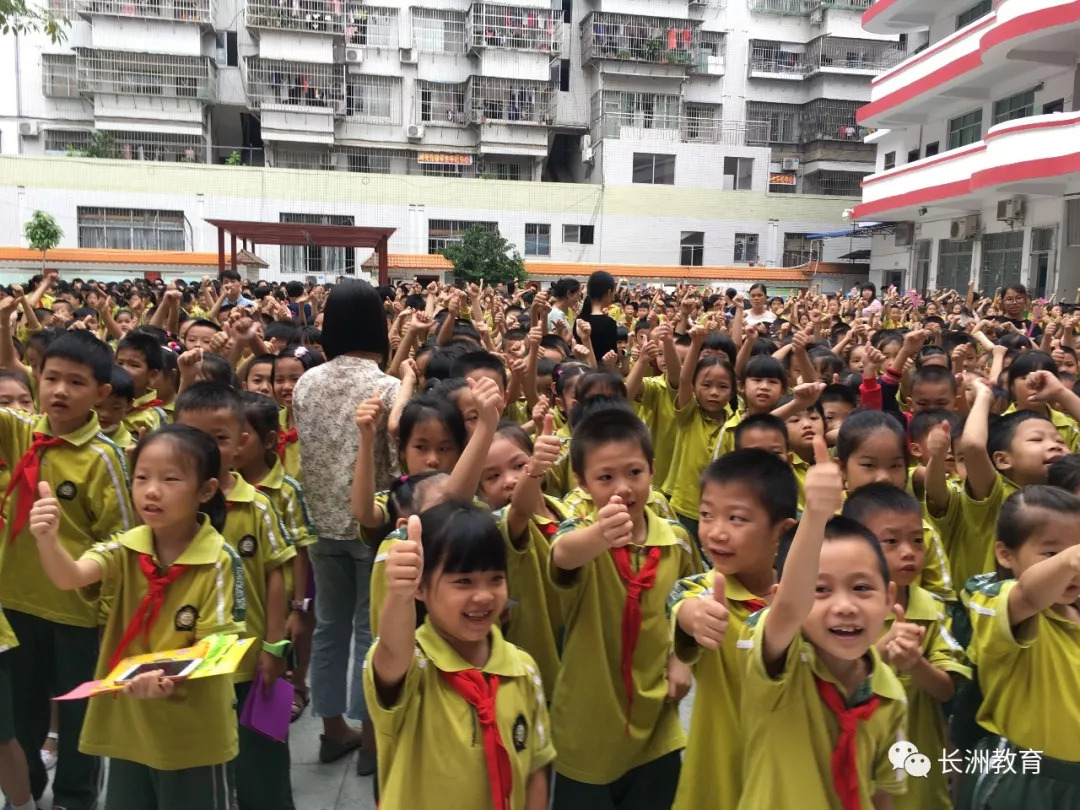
(857, 256)
(861, 230)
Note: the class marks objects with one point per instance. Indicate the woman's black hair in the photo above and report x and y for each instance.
(353, 321)
(1025, 511)
(1027, 362)
(461, 538)
(203, 450)
(868, 285)
(600, 283)
(862, 423)
(426, 407)
(564, 287)
(759, 286)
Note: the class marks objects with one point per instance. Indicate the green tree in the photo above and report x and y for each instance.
(485, 255)
(18, 18)
(42, 233)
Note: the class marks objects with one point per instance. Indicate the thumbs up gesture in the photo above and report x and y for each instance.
(615, 522)
(707, 621)
(546, 449)
(405, 561)
(45, 515)
(824, 486)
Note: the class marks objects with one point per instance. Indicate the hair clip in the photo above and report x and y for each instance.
(300, 351)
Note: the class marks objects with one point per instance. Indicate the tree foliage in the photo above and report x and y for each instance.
(485, 255)
(16, 17)
(42, 233)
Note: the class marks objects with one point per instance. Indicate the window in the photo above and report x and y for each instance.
(443, 232)
(438, 31)
(1072, 222)
(537, 240)
(738, 173)
(654, 169)
(890, 160)
(577, 234)
(913, 155)
(1019, 106)
(131, 229)
(567, 10)
(771, 123)
(932, 148)
(505, 170)
(966, 129)
(1002, 255)
(373, 99)
(564, 75)
(798, 250)
(977, 11)
(442, 102)
(370, 26)
(1042, 259)
(370, 161)
(1054, 107)
(920, 279)
(58, 76)
(746, 247)
(313, 259)
(954, 264)
(692, 248)
(227, 53)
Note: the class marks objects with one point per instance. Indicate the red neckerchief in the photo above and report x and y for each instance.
(631, 618)
(147, 612)
(24, 478)
(285, 438)
(548, 529)
(154, 403)
(754, 604)
(845, 773)
(479, 692)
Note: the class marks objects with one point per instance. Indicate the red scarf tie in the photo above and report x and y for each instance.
(755, 604)
(285, 438)
(147, 612)
(631, 618)
(24, 478)
(154, 403)
(479, 692)
(549, 529)
(845, 772)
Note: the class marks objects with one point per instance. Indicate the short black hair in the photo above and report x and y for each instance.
(879, 497)
(933, 375)
(210, 396)
(1002, 430)
(288, 332)
(605, 421)
(204, 322)
(924, 421)
(479, 361)
(461, 537)
(145, 345)
(721, 342)
(838, 392)
(761, 421)
(123, 385)
(862, 423)
(294, 289)
(216, 368)
(259, 360)
(353, 321)
(229, 275)
(838, 528)
(1064, 473)
(764, 367)
(85, 349)
(764, 474)
(553, 341)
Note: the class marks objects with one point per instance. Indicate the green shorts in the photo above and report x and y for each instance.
(647, 787)
(138, 787)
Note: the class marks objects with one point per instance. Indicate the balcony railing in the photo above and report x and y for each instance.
(510, 101)
(371, 26)
(314, 16)
(304, 85)
(656, 116)
(193, 11)
(834, 183)
(514, 27)
(128, 73)
(166, 147)
(778, 58)
(785, 7)
(830, 120)
(632, 38)
(840, 54)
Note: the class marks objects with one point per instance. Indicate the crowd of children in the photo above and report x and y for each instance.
(850, 522)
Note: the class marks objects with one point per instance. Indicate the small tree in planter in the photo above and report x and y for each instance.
(42, 233)
(485, 255)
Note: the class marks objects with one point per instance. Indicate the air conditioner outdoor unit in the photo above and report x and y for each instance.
(816, 16)
(1010, 210)
(587, 155)
(790, 164)
(476, 117)
(414, 132)
(408, 56)
(905, 234)
(965, 228)
(354, 55)
(29, 129)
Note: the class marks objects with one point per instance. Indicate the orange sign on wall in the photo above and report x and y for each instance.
(444, 158)
(779, 179)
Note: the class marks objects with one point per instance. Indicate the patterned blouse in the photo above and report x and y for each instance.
(324, 405)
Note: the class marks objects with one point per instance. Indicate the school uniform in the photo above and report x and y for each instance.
(927, 727)
(980, 520)
(712, 765)
(169, 754)
(580, 504)
(57, 630)
(1030, 679)
(533, 619)
(373, 537)
(517, 412)
(287, 498)
(288, 449)
(617, 736)
(121, 436)
(790, 732)
(699, 441)
(253, 528)
(434, 743)
(146, 412)
(656, 408)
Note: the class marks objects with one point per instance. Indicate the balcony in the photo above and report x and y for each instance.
(297, 101)
(960, 180)
(852, 57)
(371, 26)
(165, 147)
(126, 73)
(637, 39)
(787, 8)
(308, 16)
(711, 54)
(188, 11)
(508, 101)
(514, 28)
(777, 60)
(1019, 37)
(664, 117)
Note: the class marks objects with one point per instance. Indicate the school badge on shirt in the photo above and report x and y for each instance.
(67, 491)
(186, 617)
(247, 546)
(520, 733)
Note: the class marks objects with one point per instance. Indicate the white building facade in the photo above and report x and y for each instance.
(977, 146)
(753, 96)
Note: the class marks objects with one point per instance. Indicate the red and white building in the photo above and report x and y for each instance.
(978, 145)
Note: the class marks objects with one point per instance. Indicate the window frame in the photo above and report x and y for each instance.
(113, 223)
(541, 239)
(692, 253)
(957, 127)
(638, 166)
(744, 242)
(738, 176)
(999, 114)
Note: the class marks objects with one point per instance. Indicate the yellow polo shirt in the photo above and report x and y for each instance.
(121, 436)
(197, 725)
(926, 726)
(588, 705)
(712, 765)
(580, 504)
(560, 477)
(534, 616)
(699, 441)
(979, 519)
(431, 749)
(254, 530)
(656, 408)
(1029, 675)
(790, 733)
(89, 479)
(382, 500)
(145, 415)
(378, 578)
(287, 497)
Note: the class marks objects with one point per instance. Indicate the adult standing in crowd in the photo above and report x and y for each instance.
(355, 340)
(599, 295)
(566, 295)
(759, 310)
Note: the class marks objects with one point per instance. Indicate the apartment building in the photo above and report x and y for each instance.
(977, 146)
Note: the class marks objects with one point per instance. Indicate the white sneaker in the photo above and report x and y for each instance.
(48, 758)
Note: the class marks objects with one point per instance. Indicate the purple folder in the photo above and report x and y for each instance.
(269, 715)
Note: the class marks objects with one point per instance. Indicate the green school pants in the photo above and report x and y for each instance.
(647, 787)
(139, 787)
(263, 781)
(1055, 787)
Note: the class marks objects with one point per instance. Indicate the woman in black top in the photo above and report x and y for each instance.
(599, 294)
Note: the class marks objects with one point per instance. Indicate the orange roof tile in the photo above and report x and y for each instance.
(670, 271)
(412, 261)
(95, 256)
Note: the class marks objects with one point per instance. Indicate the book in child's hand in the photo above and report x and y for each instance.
(268, 715)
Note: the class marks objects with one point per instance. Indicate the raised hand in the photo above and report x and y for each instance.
(489, 400)
(615, 523)
(824, 485)
(405, 561)
(547, 449)
(368, 415)
(708, 621)
(45, 515)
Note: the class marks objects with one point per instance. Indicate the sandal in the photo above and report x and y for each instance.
(331, 750)
(48, 758)
(301, 699)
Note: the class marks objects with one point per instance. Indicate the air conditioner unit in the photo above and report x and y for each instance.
(817, 16)
(965, 228)
(414, 132)
(29, 129)
(476, 116)
(354, 55)
(905, 234)
(408, 56)
(790, 164)
(1010, 210)
(587, 155)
